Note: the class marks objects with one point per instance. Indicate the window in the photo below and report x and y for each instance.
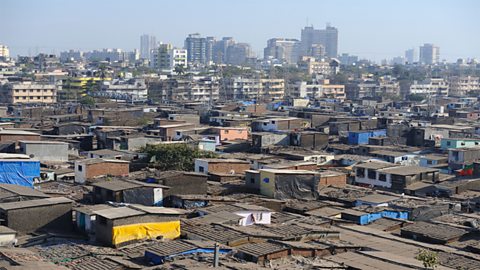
(264, 124)
(201, 169)
(476, 143)
(360, 172)
(404, 158)
(429, 162)
(372, 174)
(252, 180)
(80, 168)
(382, 177)
(226, 131)
(449, 143)
(273, 122)
(462, 143)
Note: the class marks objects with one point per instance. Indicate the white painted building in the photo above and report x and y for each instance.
(432, 86)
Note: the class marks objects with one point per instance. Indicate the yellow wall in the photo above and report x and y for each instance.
(144, 231)
(267, 189)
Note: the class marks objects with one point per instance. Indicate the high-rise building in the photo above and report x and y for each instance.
(4, 52)
(220, 50)
(147, 44)
(209, 50)
(411, 56)
(429, 54)
(160, 58)
(166, 57)
(196, 47)
(327, 37)
(178, 57)
(238, 53)
(285, 49)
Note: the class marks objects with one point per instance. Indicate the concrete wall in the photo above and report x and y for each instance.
(56, 217)
(184, 184)
(54, 152)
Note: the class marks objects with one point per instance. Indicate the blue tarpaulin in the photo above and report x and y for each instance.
(19, 172)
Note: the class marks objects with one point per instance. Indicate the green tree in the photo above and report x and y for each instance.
(179, 70)
(416, 97)
(428, 258)
(175, 156)
(87, 100)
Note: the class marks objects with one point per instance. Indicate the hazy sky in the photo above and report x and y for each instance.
(374, 29)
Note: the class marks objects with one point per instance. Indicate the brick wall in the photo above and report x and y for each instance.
(227, 167)
(106, 168)
(12, 138)
(336, 181)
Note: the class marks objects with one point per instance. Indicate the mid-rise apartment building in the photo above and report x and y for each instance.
(319, 89)
(462, 85)
(28, 92)
(193, 88)
(322, 66)
(432, 86)
(239, 88)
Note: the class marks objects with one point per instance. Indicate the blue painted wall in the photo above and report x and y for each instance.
(361, 137)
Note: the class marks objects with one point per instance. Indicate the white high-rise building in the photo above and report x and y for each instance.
(4, 52)
(147, 44)
(429, 54)
(178, 57)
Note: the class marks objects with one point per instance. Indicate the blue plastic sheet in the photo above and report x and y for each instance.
(19, 172)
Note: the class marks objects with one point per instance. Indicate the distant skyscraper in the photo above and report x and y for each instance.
(327, 37)
(220, 50)
(411, 56)
(286, 49)
(237, 54)
(147, 44)
(196, 47)
(429, 54)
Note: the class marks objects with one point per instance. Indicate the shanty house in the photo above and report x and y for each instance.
(284, 184)
(361, 137)
(49, 214)
(221, 166)
(160, 252)
(87, 169)
(124, 225)
(128, 191)
(395, 177)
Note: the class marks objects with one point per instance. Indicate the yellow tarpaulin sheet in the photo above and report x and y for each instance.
(143, 231)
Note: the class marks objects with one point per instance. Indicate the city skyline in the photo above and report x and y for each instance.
(371, 29)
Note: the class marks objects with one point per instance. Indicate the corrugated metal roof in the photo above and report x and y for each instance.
(34, 203)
